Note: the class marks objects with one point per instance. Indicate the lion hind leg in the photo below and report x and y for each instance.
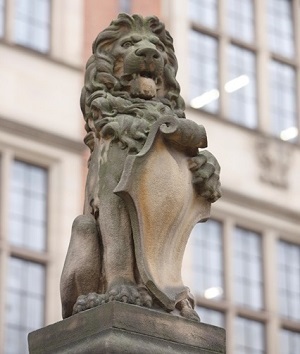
(82, 269)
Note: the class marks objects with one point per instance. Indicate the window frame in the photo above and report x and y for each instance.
(9, 21)
(272, 321)
(286, 317)
(4, 6)
(30, 47)
(263, 55)
(7, 249)
(46, 201)
(221, 34)
(245, 231)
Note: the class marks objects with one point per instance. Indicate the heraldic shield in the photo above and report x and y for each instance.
(156, 185)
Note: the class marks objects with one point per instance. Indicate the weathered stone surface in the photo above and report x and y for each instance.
(119, 328)
(148, 183)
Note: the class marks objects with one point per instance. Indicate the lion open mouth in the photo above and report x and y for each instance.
(142, 85)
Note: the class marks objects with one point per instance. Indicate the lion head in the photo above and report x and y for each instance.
(132, 59)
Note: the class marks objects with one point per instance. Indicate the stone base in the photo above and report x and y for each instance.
(122, 328)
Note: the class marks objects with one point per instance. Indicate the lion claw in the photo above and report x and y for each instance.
(85, 302)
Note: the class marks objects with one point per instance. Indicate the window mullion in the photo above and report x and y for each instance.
(4, 256)
(9, 11)
(270, 284)
(6, 160)
(5, 178)
(222, 57)
(228, 280)
(262, 66)
(223, 64)
(296, 12)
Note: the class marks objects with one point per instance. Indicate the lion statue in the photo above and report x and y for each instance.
(130, 83)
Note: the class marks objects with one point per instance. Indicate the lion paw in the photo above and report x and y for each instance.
(146, 299)
(129, 293)
(187, 311)
(85, 302)
(206, 176)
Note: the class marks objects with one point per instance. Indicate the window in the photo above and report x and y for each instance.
(32, 24)
(283, 101)
(249, 337)
(24, 303)
(204, 12)
(125, 6)
(213, 317)
(248, 269)
(205, 67)
(204, 91)
(241, 19)
(280, 27)
(22, 250)
(228, 88)
(27, 222)
(289, 280)
(2, 8)
(289, 341)
(241, 86)
(221, 255)
(243, 68)
(207, 260)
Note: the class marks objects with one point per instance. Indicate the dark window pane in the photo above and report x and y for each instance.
(289, 341)
(32, 24)
(289, 280)
(205, 12)
(2, 9)
(204, 259)
(213, 317)
(25, 297)
(249, 337)
(283, 101)
(280, 27)
(125, 6)
(203, 80)
(28, 206)
(241, 19)
(248, 277)
(12, 343)
(241, 87)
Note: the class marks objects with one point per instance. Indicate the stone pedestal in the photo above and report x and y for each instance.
(122, 328)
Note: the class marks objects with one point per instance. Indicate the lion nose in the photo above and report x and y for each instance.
(148, 53)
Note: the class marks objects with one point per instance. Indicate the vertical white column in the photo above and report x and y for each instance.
(262, 76)
(5, 174)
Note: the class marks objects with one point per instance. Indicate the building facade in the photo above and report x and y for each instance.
(239, 71)
(40, 159)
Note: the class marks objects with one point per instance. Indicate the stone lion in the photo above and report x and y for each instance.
(130, 83)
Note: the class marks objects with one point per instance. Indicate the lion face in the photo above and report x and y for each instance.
(132, 58)
(139, 64)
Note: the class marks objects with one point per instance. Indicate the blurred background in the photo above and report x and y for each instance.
(239, 71)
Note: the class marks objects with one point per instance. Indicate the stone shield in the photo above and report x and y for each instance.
(163, 205)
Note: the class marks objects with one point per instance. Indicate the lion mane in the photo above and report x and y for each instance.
(105, 103)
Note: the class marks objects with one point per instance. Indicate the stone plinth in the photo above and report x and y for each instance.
(122, 328)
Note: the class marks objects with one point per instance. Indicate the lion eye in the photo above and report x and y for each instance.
(160, 47)
(127, 44)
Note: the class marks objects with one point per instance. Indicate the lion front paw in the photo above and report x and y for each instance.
(206, 176)
(129, 293)
(186, 310)
(85, 302)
